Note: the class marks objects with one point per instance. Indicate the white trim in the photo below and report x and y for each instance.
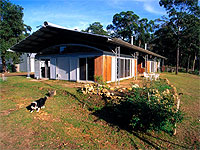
(78, 71)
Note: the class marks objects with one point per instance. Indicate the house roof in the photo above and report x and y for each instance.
(50, 34)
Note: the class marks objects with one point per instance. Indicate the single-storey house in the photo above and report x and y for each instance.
(66, 54)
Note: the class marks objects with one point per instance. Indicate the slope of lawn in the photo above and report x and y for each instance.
(189, 85)
(66, 122)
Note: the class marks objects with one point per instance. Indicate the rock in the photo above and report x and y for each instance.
(112, 88)
(129, 89)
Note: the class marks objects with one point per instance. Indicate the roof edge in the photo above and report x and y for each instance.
(126, 44)
(49, 24)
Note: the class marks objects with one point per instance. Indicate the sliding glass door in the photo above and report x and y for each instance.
(82, 65)
(125, 65)
(86, 66)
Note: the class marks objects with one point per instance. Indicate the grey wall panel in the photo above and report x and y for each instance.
(23, 63)
(53, 68)
(63, 68)
(37, 68)
(73, 68)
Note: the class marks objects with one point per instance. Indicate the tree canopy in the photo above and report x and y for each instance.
(179, 33)
(12, 30)
(96, 28)
(127, 24)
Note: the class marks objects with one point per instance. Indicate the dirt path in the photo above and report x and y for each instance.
(16, 74)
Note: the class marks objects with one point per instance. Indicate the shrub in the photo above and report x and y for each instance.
(147, 109)
(99, 80)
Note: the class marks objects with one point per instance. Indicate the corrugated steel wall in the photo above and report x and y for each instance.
(37, 69)
(53, 68)
(63, 68)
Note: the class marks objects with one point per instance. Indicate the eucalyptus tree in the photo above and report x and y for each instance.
(12, 29)
(127, 24)
(177, 11)
(96, 28)
(145, 31)
(124, 24)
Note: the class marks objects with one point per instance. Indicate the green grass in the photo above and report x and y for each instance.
(66, 124)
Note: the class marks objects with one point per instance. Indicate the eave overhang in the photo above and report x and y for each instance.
(50, 34)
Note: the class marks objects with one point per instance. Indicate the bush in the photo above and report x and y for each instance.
(147, 109)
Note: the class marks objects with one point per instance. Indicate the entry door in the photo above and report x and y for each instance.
(86, 68)
(45, 68)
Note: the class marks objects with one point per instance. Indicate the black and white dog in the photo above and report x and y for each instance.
(37, 105)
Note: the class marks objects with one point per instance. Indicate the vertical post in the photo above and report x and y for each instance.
(131, 40)
(118, 64)
(145, 63)
(136, 57)
(159, 66)
(28, 65)
(145, 46)
(86, 70)
(163, 63)
(136, 67)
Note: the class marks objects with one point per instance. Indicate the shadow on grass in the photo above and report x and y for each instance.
(115, 117)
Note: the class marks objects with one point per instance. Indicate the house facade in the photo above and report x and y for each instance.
(65, 54)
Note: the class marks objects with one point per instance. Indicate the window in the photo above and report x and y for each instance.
(125, 66)
(122, 68)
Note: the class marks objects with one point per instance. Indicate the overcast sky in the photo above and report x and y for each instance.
(78, 14)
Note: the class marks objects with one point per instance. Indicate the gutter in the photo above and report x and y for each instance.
(128, 45)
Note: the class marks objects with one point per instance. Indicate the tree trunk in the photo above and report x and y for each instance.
(140, 42)
(193, 66)
(188, 64)
(3, 62)
(177, 58)
(177, 53)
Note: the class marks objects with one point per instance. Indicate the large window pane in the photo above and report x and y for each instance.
(126, 67)
(122, 69)
(82, 65)
(90, 62)
(129, 66)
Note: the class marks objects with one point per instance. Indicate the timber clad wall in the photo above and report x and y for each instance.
(107, 68)
(135, 67)
(148, 66)
(98, 66)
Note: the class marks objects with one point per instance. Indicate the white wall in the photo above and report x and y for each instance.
(32, 64)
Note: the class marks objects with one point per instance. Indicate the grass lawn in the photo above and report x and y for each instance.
(66, 123)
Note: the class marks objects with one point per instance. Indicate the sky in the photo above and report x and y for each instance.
(79, 14)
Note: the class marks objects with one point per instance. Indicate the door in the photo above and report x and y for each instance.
(86, 66)
(45, 68)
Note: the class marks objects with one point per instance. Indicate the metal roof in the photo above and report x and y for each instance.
(50, 34)
(130, 46)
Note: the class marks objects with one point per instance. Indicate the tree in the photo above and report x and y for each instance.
(12, 29)
(96, 28)
(178, 10)
(127, 24)
(124, 24)
(164, 41)
(191, 39)
(145, 31)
